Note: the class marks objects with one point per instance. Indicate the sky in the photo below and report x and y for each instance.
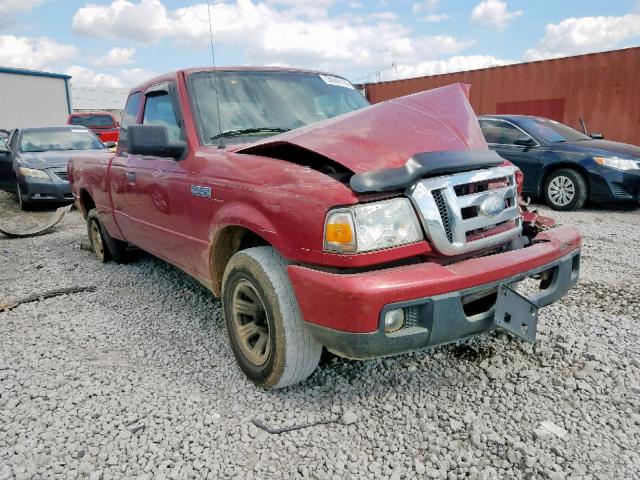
(120, 43)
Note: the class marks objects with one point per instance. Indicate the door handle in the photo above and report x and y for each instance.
(131, 177)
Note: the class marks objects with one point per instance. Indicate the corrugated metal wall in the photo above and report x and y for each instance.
(602, 88)
(32, 101)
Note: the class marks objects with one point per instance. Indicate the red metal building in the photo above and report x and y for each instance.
(601, 88)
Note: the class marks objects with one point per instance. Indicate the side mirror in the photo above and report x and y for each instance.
(153, 141)
(597, 136)
(110, 144)
(524, 141)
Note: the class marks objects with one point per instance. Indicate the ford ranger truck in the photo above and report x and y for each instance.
(321, 220)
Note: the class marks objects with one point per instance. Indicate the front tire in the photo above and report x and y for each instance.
(565, 189)
(268, 336)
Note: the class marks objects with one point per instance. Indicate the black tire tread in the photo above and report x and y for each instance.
(582, 191)
(302, 351)
(115, 250)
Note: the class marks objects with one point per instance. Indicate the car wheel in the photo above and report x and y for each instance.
(24, 204)
(565, 189)
(104, 245)
(267, 333)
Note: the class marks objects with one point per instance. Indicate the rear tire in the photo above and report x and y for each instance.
(565, 189)
(104, 245)
(268, 336)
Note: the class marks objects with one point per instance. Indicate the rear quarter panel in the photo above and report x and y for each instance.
(90, 173)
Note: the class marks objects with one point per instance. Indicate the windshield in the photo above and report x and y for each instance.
(551, 131)
(255, 104)
(3, 145)
(58, 140)
(93, 120)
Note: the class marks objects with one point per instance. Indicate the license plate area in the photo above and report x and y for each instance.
(516, 314)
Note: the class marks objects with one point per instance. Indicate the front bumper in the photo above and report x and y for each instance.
(615, 185)
(345, 312)
(39, 191)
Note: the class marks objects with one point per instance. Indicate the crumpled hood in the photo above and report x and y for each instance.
(54, 159)
(387, 134)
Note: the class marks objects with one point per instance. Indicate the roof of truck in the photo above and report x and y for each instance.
(188, 71)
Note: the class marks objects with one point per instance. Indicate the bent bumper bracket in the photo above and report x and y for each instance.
(516, 314)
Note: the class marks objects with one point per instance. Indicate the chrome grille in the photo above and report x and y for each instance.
(468, 211)
(444, 213)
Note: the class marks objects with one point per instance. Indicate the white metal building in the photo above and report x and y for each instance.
(29, 98)
(98, 98)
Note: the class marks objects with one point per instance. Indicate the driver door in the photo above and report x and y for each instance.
(501, 135)
(6, 167)
(162, 210)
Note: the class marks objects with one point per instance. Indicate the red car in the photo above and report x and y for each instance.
(103, 124)
(322, 221)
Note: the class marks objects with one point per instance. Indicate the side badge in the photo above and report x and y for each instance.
(200, 191)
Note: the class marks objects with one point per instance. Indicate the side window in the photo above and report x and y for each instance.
(500, 132)
(129, 117)
(131, 110)
(158, 110)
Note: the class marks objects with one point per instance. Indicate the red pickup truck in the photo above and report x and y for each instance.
(321, 220)
(103, 124)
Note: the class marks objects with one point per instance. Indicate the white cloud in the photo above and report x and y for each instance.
(583, 35)
(493, 13)
(18, 6)
(435, 17)
(134, 76)
(271, 31)
(88, 77)
(143, 22)
(34, 53)
(356, 4)
(425, 6)
(116, 57)
(453, 64)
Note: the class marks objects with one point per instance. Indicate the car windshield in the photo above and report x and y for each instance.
(3, 145)
(58, 140)
(551, 131)
(254, 104)
(93, 120)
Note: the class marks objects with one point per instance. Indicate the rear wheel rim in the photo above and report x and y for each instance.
(96, 240)
(250, 322)
(561, 190)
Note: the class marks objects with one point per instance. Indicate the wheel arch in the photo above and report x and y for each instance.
(560, 166)
(85, 202)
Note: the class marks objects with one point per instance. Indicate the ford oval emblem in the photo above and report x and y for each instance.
(492, 206)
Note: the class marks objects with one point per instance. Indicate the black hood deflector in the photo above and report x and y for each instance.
(421, 165)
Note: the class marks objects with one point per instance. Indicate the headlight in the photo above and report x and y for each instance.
(371, 226)
(32, 172)
(619, 163)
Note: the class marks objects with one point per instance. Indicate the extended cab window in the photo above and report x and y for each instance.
(498, 132)
(159, 111)
(129, 118)
(131, 110)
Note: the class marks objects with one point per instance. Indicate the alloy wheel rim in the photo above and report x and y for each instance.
(250, 322)
(562, 190)
(96, 240)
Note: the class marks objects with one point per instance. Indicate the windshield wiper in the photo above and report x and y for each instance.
(247, 131)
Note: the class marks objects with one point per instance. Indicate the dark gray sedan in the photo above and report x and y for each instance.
(34, 163)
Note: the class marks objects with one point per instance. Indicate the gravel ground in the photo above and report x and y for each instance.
(137, 380)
